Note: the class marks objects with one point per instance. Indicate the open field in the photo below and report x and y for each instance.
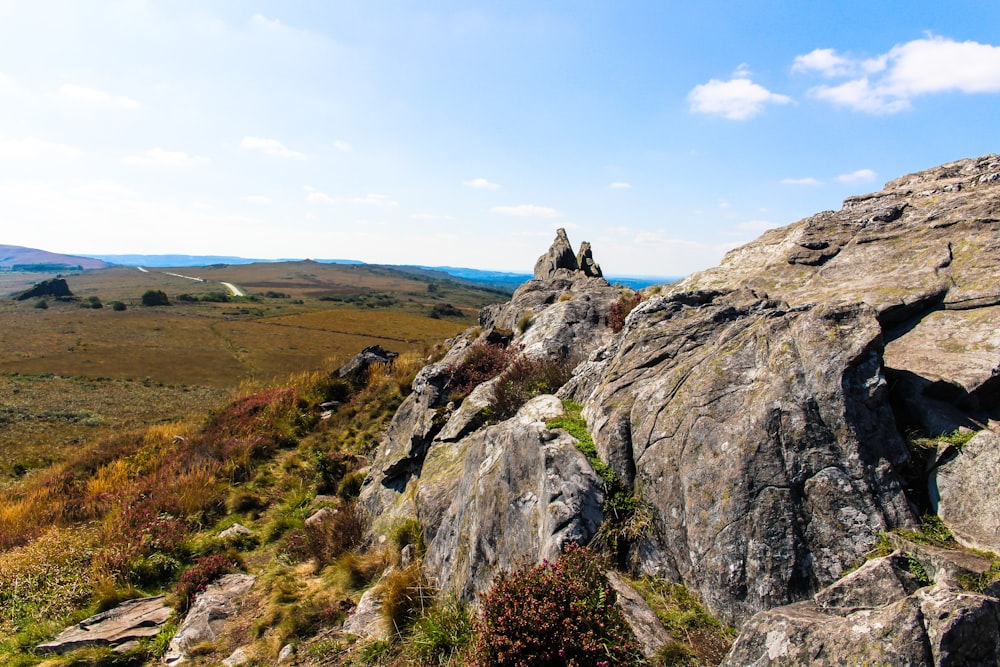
(71, 375)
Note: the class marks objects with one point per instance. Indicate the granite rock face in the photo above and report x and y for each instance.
(206, 619)
(119, 628)
(880, 614)
(967, 498)
(758, 410)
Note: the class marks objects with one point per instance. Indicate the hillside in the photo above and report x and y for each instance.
(788, 459)
(14, 257)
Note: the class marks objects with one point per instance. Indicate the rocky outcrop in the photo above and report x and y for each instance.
(356, 370)
(756, 409)
(760, 434)
(880, 614)
(119, 628)
(965, 489)
(56, 287)
(204, 622)
(508, 490)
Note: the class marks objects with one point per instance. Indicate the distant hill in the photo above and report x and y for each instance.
(200, 260)
(17, 258)
(504, 280)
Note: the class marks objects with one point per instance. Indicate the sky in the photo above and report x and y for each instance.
(464, 134)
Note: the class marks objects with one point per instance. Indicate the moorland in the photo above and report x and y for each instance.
(75, 371)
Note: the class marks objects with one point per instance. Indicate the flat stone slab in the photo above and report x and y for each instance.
(126, 623)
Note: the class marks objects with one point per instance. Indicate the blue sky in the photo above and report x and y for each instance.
(464, 134)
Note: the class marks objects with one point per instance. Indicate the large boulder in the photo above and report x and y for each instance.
(56, 287)
(206, 619)
(761, 436)
(966, 490)
(119, 628)
(881, 614)
(509, 490)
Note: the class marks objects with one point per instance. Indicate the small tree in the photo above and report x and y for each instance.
(155, 298)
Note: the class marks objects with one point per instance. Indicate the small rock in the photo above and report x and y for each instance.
(235, 530)
(236, 658)
(319, 517)
(121, 626)
(208, 614)
(286, 654)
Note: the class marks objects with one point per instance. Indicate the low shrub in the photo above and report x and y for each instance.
(620, 309)
(523, 379)
(205, 570)
(442, 634)
(482, 362)
(404, 596)
(343, 531)
(155, 298)
(555, 613)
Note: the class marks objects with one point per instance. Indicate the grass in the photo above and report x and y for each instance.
(701, 638)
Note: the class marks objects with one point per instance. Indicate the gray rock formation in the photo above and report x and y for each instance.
(356, 370)
(967, 493)
(757, 408)
(119, 628)
(508, 490)
(585, 260)
(646, 627)
(205, 620)
(880, 614)
(559, 256)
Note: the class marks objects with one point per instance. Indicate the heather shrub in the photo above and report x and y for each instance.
(523, 379)
(482, 362)
(620, 309)
(205, 570)
(555, 613)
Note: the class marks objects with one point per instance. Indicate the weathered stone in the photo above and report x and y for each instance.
(646, 627)
(559, 256)
(234, 531)
(286, 654)
(130, 621)
(585, 260)
(356, 370)
(236, 658)
(967, 493)
(509, 490)
(366, 620)
(208, 614)
(319, 517)
(878, 615)
(760, 435)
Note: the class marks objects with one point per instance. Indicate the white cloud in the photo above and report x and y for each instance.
(736, 99)
(620, 185)
(480, 184)
(258, 200)
(342, 146)
(370, 200)
(859, 176)
(4, 80)
(96, 97)
(269, 147)
(161, 157)
(31, 148)
(918, 67)
(808, 180)
(527, 211)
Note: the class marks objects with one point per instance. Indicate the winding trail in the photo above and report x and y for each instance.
(234, 289)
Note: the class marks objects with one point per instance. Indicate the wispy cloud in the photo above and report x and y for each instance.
(165, 158)
(4, 80)
(95, 97)
(859, 176)
(31, 148)
(736, 99)
(271, 147)
(527, 211)
(808, 180)
(369, 200)
(889, 82)
(756, 225)
(620, 185)
(342, 146)
(258, 200)
(481, 184)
